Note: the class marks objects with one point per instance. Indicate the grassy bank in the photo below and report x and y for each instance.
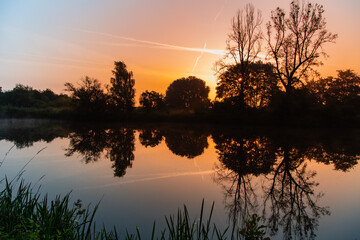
(26, 214)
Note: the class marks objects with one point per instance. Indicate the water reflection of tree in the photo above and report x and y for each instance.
(291, 201)
(241, 159)
(24, 133)
(339, 157)
(89, 143)
(186, 143)
(121, 150)
(150, 137)
(117, 144)
(290, 197)
(343, 151)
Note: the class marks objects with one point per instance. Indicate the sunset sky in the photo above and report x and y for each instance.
(46, 43)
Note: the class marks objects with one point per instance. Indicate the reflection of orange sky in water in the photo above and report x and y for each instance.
(158, 166)
(46, 45)
(160, 182)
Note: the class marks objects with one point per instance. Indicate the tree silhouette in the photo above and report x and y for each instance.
(122, 88)
(295, 42)
(340, 92)
(189, 93)
(21, 96)
(243, 46)
(26, 97)
(89, 98)
(152, 101)
(255, 92)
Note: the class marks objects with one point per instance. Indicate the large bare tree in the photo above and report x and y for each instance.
(296, 41)
(242, 46)
(243, 43)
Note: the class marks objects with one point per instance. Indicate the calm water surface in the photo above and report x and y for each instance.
(303, 183)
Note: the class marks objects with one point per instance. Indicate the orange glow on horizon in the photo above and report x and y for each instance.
(45, 45)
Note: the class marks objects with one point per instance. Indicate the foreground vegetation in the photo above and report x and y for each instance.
(25, 214)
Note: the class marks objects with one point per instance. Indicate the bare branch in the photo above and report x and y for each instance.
(295, 42)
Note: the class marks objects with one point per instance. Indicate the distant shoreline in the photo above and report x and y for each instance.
(246, 119)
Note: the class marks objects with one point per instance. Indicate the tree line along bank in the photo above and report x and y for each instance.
(281, 88)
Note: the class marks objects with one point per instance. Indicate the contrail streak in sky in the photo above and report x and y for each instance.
(220, 11)
(151, 178)
(204, 49)
(151, 43)
(197, 59)
(218, 14)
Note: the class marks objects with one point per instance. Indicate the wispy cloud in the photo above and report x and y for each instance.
(49, 63)
(48, 58)
(155, 44)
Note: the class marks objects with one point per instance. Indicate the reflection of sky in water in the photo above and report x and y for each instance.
(159, 182)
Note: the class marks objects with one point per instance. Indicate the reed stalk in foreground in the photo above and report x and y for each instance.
(25, 215)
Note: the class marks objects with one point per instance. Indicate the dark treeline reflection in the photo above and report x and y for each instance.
(291, 199)
(150, 137)
(264, 172)
(242, 158)
(23, 133)
(285, 194)
(118, 145)
(188, 143)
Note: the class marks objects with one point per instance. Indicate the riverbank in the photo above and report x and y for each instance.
(259, 118)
